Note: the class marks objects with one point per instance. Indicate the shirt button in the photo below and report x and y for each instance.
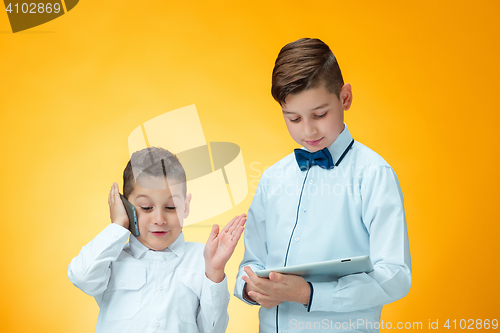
(160, 287)
(216, 294)
(318, 307)
(122, 283)
(157, 323)
(296, 239)
(311, 181)
(305, 210)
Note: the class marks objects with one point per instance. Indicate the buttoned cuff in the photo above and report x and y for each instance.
(323, 299)
(218, 293)
(308, 305)
(239, 286)
(214, 301)
(247, 300)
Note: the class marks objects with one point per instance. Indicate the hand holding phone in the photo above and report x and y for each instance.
(133, 226)
(122, 212)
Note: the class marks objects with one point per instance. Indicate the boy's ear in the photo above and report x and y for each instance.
(187, 205)
(346, 96)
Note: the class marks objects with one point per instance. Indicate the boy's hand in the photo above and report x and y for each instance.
(264, 300)
(278, 288)
(117, 210)
(220, 247)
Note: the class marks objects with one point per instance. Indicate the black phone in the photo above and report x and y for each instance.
(133, 225)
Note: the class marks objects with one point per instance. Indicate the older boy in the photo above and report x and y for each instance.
(332, 199)
(156, 282)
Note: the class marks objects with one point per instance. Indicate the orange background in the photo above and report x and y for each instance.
(424, 76)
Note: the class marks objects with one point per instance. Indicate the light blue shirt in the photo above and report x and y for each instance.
(310, 216)
(139, 290)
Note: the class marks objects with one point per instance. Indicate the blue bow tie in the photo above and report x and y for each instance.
(321, 158)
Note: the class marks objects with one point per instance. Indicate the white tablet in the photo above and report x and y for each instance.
(331, 269)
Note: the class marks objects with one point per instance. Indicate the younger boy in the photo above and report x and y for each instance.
(156, 282)
(332, 199)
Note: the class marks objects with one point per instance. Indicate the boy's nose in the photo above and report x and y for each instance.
(309, 129)
(160, 218)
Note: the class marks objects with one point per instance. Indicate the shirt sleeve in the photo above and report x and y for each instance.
(213, 316)
(255, 240)
(90, 269)
(384, 218)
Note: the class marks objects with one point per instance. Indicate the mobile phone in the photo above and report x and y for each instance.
(133, 225)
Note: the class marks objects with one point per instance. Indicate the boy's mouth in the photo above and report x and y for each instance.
(159, 233)
(315, 142)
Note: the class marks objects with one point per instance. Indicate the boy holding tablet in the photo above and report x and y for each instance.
(334, 198)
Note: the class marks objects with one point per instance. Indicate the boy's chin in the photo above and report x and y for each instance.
(314, 149)
(158, 247)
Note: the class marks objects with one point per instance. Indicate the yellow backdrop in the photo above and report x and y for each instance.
(424, 77)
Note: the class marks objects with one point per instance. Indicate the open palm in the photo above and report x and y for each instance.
(220, 245)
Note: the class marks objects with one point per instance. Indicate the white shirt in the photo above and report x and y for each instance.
(299, 217)
(141, 290)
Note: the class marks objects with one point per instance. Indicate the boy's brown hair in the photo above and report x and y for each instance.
(152, 162)
(303, 64)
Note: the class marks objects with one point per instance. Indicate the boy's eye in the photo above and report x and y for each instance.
(321, 115)
(295, 120)
(146, 208)
(168, 207)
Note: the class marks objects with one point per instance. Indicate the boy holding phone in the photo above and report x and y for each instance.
(334, 198)
(156, 282)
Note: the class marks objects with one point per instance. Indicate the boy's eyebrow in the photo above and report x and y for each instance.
(142, 195)
(316, 108)
(320, 107)
(145, 196)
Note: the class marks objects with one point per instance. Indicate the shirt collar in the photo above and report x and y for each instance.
(178, 246)
(138, 249)
(340, 144)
